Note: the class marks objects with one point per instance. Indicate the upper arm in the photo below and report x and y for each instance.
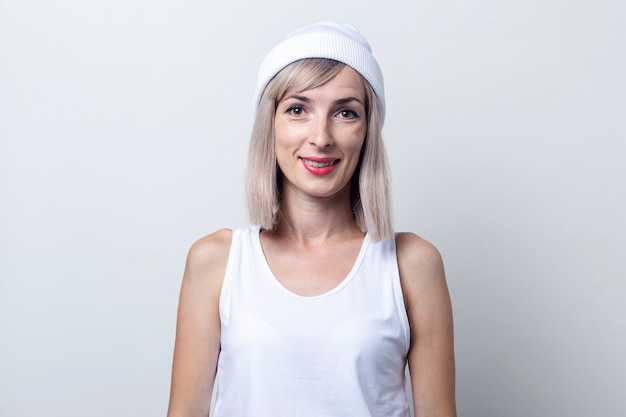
(431, 353)
(198, 326)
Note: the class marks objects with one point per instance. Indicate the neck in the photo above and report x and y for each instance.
(312, 219)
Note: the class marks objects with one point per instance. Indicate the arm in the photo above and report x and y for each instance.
(431, 353)
(198, 327)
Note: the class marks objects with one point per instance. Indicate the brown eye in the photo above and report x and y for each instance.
(348, 114)
(295, 110)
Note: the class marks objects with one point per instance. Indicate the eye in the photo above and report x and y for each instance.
(348, 114)
(295, 110)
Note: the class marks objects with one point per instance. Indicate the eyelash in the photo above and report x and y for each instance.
(291, 110)
(351, 114)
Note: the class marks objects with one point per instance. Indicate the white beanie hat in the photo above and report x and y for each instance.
(340, 42)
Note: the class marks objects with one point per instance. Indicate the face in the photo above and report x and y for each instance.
(319, 134)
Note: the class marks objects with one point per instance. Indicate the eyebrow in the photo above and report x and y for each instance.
(295, 97)
(340, 101)
(348, 100)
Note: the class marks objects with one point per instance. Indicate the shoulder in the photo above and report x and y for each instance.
(210, 248)
(420, 265)
(207, 257)
(415, 253)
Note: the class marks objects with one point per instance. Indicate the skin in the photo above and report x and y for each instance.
(316, 229)
(427, 301)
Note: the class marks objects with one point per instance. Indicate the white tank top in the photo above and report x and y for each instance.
(339, 354)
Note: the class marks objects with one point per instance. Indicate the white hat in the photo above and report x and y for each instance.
(340, 42)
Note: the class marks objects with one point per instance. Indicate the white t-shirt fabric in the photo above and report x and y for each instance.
(339, 354)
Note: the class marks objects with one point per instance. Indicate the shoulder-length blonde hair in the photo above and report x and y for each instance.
(370, 193)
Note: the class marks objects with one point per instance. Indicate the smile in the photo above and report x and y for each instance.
(320, 166)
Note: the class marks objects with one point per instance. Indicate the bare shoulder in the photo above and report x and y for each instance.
(211, 248)
(420, 265)
(206, 261)
(416, 254)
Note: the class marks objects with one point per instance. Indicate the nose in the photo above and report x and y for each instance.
(321, 134)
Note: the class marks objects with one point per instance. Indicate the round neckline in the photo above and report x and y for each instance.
(345, 281)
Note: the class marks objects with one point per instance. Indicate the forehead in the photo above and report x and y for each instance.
(346, 81)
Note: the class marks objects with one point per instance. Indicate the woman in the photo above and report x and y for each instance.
(317, 309)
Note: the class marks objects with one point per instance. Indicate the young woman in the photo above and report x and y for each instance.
(317, 308)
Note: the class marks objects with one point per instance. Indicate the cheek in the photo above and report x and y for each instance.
(285, 137)
(358, 143)
(283, 148)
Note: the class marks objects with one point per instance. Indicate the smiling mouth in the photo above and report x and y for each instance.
(320, 164)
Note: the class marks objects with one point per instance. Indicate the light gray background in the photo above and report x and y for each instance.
(124, 128)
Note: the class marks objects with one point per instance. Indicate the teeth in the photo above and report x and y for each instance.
(319, 164)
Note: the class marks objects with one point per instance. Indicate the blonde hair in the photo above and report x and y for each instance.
(370, 191)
